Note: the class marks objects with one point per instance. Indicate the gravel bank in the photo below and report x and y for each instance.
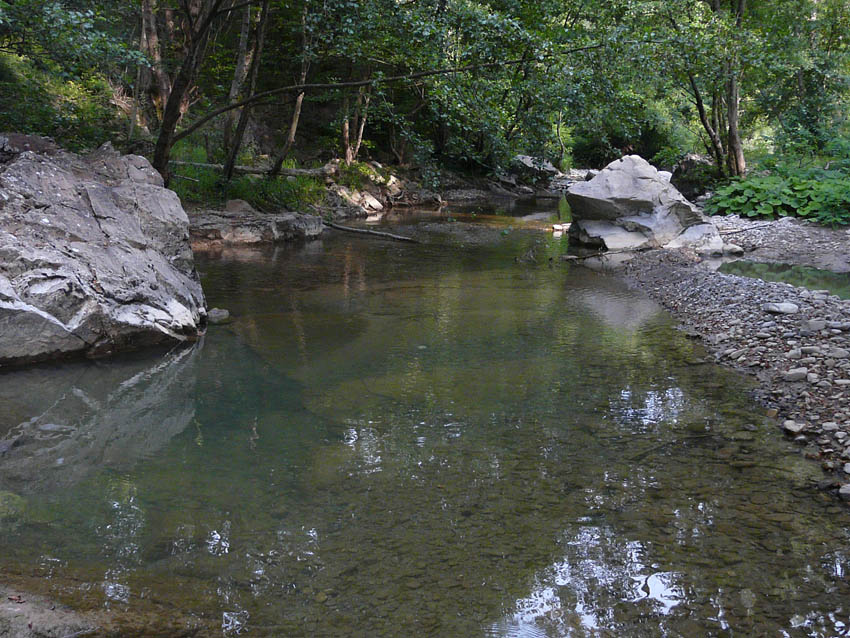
(795, 341)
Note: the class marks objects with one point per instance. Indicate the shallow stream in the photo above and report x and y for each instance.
(394, 439)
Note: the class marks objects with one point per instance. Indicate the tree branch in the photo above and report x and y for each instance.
(363, 83)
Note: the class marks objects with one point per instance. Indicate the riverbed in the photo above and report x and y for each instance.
(453, 438)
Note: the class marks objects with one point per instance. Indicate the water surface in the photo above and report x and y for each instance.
(397, 439)
(801, 276)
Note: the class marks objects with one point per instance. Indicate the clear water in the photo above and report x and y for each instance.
(801, 276)
(396, 439)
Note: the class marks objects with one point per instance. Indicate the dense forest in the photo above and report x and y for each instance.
(761, 87)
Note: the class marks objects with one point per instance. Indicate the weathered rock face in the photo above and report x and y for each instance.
(239, 223)
(94, 255)
(630, 206)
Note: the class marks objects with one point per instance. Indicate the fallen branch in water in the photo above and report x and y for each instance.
(600, 254)
(366, 231)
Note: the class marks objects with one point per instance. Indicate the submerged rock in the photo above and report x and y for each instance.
(218, 316)
(630, 206)
(94, 254)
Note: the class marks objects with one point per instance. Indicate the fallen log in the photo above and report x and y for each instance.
(366, 231)
(324, 171)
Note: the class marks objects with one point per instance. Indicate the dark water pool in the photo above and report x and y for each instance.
(419, 440)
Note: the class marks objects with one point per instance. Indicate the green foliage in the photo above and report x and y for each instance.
(667, 157)
(824, 198)
(204, 187)
(77, 37)
(39, 100)
(359, 175)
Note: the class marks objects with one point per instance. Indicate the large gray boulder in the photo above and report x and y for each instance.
(630, 206)
(535, 169)
(94, 255)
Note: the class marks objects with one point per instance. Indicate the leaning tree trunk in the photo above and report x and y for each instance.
(245, 113)
(299, 99)
(174, 107)
(240, 73)
(710, 128)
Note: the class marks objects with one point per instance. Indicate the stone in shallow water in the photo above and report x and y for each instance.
(782, 308)
(218, 316)
(844, 492)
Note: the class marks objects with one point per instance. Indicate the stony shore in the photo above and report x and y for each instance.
(795, 341)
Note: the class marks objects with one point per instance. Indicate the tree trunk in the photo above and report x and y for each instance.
(735, 159)
(716, 143)
(354, 121)
(245, 114)
(160, 86)
(299, 99)
(174, 107)
(365, 104)
(243, 61)
(346, 139)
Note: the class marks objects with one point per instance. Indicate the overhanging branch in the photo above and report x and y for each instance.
(257, 97)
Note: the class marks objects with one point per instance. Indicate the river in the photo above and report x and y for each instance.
(394, 439)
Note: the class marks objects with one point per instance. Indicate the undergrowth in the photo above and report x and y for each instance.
(824, 198)
(39, 99)
(205, 187)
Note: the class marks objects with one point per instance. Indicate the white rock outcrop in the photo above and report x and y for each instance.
(629, 205)
(94, 254)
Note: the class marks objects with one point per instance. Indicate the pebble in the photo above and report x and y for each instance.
(844, 492)
(792, 427)
(796, 374)
(814, 325)
(782, 308)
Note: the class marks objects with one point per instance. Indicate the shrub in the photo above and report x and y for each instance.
(204, 186)
(37, 99)
(821, 195)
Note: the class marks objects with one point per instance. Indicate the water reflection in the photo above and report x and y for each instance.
(429, 442)
(62, 423)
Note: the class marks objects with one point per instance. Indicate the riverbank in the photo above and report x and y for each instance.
(796, 342)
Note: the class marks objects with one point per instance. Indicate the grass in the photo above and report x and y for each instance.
(204, 187)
